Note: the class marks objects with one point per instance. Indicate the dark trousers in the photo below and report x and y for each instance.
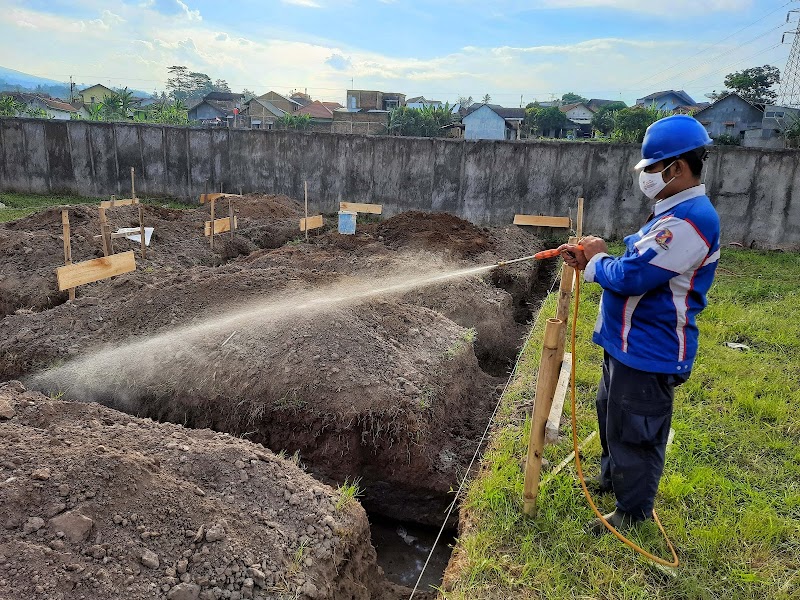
(634, 411)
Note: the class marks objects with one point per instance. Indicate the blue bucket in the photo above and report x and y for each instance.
(347, 222)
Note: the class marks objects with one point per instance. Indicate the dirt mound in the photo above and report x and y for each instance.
(32, 247)
(440, 232)
(392, 388)
(96, 504)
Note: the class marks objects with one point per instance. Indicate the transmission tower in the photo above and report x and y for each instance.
(789, 90)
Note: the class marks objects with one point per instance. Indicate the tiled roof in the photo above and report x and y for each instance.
(58, 105)
(568, 107)
(506, 113)
(316, 110)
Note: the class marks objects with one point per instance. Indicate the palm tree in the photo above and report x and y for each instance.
(486, 99)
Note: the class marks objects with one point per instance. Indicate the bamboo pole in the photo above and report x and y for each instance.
(67, 246)
(133, 185)
(564, 300)
(579, 226)
(546, 381)
(305, 193)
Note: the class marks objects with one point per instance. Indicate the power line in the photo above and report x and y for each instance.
(694, 68)
(717, 43)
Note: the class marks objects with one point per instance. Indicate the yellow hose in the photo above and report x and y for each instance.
(609, 526)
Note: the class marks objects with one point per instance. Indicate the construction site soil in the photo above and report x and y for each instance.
(359, 353)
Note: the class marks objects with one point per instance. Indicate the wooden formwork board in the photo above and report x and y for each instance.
(121, 202)
(70, 276)
(216, 196)
(311, 223)
(542, 221)
(374, 209)
(222, 225)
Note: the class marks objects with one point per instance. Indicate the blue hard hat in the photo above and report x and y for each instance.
(670, 137)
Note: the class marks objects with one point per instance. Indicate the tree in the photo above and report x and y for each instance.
(754, 84)
(545, 120)
(10, 107)
(486, 99)
(248, 95)
(631, 123)
(572, 98)
(465, 101)
(421, 122)
(220, 85)
(290, 121)
(179, 83)
(201, 84)
(603, 119)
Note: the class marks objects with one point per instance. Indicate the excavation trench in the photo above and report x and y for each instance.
(390, 389)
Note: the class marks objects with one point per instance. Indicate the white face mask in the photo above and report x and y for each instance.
(652, 184)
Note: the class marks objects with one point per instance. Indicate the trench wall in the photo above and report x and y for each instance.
(756, 191)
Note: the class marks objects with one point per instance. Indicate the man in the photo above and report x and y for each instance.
(646, 326)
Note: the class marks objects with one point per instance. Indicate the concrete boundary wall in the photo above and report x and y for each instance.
(757, 192)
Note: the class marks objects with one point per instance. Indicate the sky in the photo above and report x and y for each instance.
(513, 50)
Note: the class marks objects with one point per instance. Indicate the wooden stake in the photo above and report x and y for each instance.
(213, 202)
(67, 246)
(232, 220)
(107, 249)
(546, 381)
(141, 231)
(579, 226)
(133, 186)
(305, 191)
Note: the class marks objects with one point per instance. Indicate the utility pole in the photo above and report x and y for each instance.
(71, 90)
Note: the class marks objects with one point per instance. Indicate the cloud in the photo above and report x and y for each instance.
(107, 20)
(305, 3)
(339, 62)
(172, 8)
(682, 9)
(26, 25)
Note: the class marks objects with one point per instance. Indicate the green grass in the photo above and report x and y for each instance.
(348, 492)
(730, 494)
(22, 205)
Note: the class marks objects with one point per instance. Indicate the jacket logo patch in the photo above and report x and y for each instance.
(663, 238)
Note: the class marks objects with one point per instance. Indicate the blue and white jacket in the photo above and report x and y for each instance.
(653, 293)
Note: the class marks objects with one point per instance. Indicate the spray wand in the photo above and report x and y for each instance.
(553, 253)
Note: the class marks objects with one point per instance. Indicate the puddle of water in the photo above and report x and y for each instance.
(403, 548)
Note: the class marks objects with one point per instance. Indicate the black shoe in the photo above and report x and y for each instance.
(618, 519)
(595, 486)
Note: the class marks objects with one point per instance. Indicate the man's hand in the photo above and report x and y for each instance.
(577, 258)
(593, 245)
(573, 256)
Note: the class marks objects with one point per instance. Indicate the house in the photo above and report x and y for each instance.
(731, 115)
(321, 114)
(777, 119)
(53, 107)
(493, 122)
(219, 109)
(364, 121)
(263, 113)
(374, 100)
(667, 100)
(302, 98)
(282, 102)
(421, 102)
(96, 93)
(580, 114)
(596, 103)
